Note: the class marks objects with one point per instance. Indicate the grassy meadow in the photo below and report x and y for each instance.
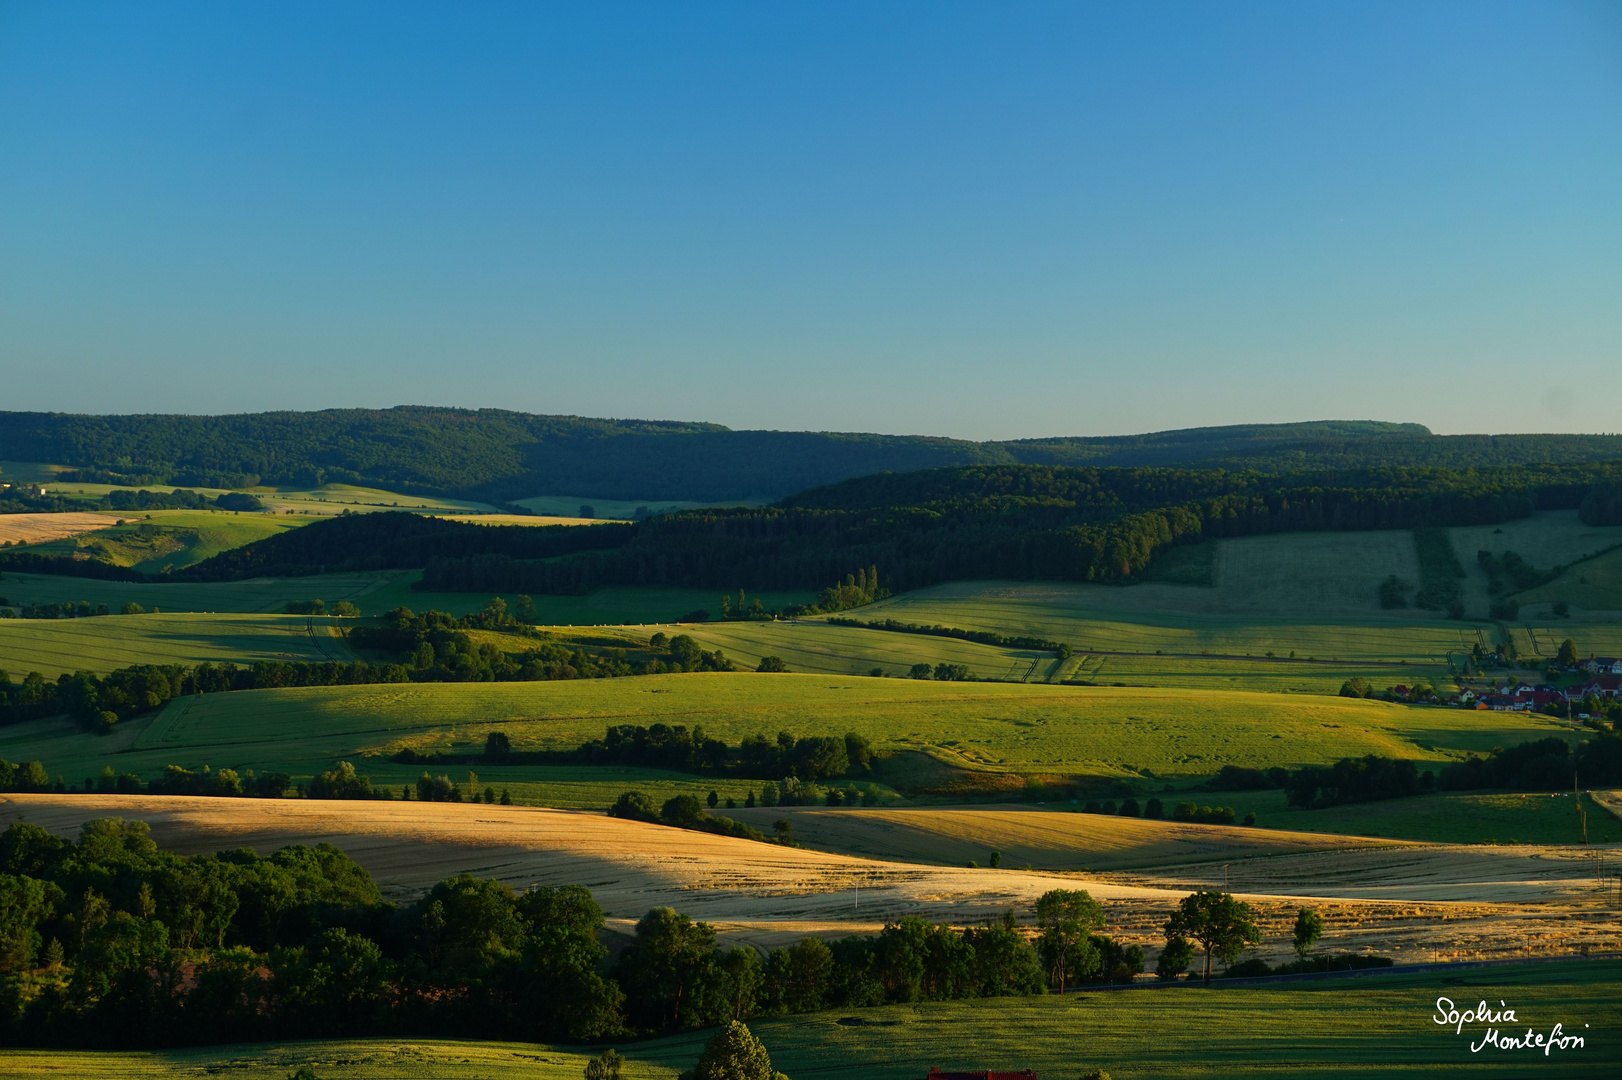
(966, 737)
(1371, 1026)
(105, 642)
(253, 596)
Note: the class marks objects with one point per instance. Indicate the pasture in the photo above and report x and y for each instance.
(256, 595)
(974, 737)
(1595, 585)
(807, 645)
(105, 642)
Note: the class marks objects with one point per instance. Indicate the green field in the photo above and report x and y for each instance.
(613, 606)
(1372, 1026)
(105, 642)
(1500, 818)
(811, 646)
(1149, 618)
(1595, 585)
(257, 595)
(992, 734)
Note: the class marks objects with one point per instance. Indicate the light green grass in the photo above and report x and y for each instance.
(1368, 1027)
(1172, 620)
(997, 728)
(1273, 676)
(811, 646)
(102, 643)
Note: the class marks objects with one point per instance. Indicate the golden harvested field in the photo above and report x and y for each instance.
(1412, 901)
(39, 528)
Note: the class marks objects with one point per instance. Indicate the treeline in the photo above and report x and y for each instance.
(1549, 764)
(1023, 522)
(673, 746)
(110, 942)
(100, 701)
(983, 637)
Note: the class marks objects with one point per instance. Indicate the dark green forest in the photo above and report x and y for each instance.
(500, 455)
(1007, 521)
(1023, 522)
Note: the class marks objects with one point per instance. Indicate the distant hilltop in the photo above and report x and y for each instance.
(497, 455)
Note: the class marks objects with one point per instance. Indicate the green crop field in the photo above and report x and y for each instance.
(1147, 619)
(1371, 1026)
(258, 595)
(997, 733)
(810, 646)
(1595, 585)
(612, 606)
(105, 642)
(1500, 818)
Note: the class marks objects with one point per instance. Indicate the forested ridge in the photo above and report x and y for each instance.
(1023, 522)
(1009, 521)
(501, 455)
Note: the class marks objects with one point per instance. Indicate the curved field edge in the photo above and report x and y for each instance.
(1373, 1026)
(1035, 731)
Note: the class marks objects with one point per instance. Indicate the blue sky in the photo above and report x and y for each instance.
(978, 220)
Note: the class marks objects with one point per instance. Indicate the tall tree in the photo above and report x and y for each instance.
(1221, 925)
(1068, 918)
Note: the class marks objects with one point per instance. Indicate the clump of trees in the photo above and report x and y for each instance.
(674, 746)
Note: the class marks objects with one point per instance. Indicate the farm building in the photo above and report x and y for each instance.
(1603, 665)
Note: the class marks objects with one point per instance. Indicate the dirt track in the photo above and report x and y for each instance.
(1408, 900)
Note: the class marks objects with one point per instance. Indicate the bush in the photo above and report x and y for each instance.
(634, 806)
(1358, 687)
(772, 664)
(240, 501)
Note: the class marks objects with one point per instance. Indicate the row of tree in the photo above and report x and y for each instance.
(674, 746)
(1551, 764)
(437, 653)
(111, 942)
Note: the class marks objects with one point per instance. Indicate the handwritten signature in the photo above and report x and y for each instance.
(1448, 1015)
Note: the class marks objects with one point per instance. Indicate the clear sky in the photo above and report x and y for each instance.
(982, 220)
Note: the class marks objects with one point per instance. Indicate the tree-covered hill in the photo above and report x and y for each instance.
(501, 455)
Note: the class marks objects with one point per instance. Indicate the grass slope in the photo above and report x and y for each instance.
(991, 735)
(103, 643)
(258, 595)
(1373, 1026)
